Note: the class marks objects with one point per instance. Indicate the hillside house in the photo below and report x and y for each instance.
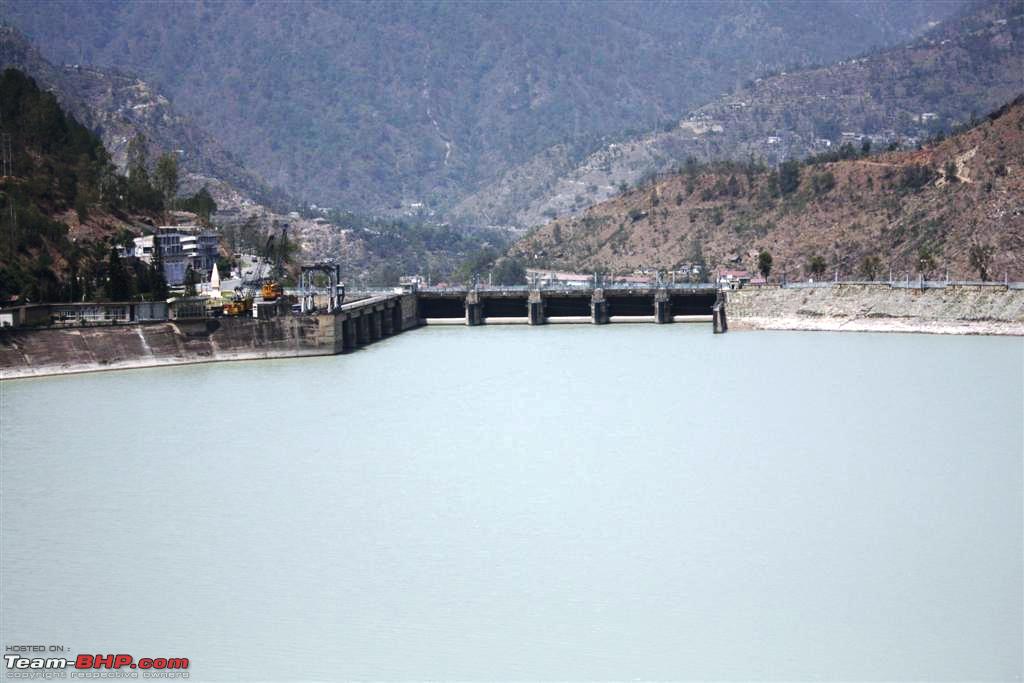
(733, 278)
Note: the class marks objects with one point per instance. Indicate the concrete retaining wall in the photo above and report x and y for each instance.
(28, 352)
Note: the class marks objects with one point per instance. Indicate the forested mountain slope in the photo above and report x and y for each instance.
(118, 106)
(63, 205)
(371, 105)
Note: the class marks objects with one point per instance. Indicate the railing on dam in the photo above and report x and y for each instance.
(566, 287)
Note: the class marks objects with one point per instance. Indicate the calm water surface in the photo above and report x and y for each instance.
(562, 503)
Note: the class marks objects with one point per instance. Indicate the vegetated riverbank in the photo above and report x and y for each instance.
(880, 307)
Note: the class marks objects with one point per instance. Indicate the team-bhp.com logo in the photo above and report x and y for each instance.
(90, 662)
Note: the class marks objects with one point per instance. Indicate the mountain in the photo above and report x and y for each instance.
(118, 106)
(62, 205)
(969, 64)
(378, 105)
(908, 211)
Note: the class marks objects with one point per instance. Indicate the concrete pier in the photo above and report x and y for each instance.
(599, 308)
(535, 302)
(358, 323)
(662, 307)
(719, 322)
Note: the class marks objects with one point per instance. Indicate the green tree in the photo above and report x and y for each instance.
(201, 204)
(950, 172)
(870, 267)
(190, 281)
(817, 266)
(142, 196)
(764, 264)
(925, 261)
(166, 178)
(475, 265)
(789, 176)
(822, 183)
(508, 271)
(980, 257)
(119, 283)
(157, 279)
(138, 157)
(916, 176)
(732, 187)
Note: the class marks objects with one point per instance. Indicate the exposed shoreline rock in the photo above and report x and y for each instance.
(880, 307)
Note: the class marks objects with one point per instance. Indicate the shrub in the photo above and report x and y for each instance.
(789, 176)
(950, 172)
(916, 176)
(822, 183)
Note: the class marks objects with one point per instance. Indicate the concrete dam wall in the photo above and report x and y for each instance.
(953, 309)
(28, 352)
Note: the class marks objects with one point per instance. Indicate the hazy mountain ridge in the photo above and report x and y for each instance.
(118, 106)
(968, 64)
(897, 207)
(372, 105)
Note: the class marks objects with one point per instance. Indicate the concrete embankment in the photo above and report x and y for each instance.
(879, 307)
(33, 352)
(56, 350)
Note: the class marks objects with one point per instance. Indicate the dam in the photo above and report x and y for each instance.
(593, 305)
(48, 339)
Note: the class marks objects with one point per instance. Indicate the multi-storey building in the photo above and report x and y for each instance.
(180, 246)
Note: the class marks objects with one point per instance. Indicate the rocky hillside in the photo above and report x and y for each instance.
(63, 206)
(967, 65)
(374, 106)
(911, 211)
(118, 106)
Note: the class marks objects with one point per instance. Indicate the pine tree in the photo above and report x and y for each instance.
(190, 282)
(764, 264)
(166, 178)
(119, 283)
(158, 281)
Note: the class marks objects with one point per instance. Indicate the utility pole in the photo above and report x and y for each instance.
(12, 227)
(6, 157)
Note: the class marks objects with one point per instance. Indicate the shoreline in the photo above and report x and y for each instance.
(52, 371)
(996, 328)
(738, 324)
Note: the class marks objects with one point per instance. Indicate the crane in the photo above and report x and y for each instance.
(271, 289)
(246, 292)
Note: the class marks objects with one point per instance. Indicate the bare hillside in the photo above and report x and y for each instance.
(912, 211)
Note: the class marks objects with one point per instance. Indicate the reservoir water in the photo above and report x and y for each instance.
(564, 502)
